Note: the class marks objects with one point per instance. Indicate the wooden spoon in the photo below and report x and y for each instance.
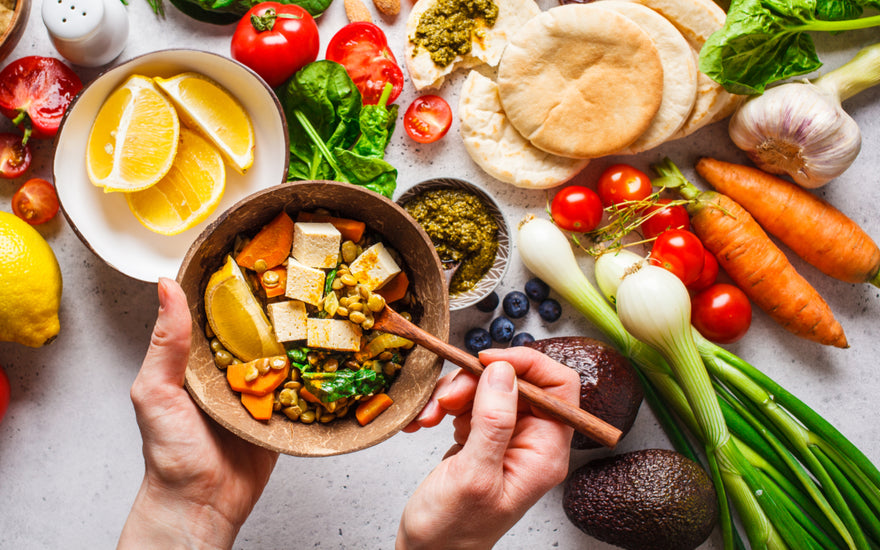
(595, 428)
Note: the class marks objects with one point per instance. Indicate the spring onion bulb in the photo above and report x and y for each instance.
(801, 129)
(612, 267)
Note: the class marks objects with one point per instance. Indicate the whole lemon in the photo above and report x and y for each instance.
(30, 284)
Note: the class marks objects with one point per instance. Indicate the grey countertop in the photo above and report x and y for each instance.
(70, 456)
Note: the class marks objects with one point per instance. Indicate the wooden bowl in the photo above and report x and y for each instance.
(10, 36)
(410, 391)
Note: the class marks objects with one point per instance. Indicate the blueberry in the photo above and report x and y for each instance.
(477, 339)
(549, 310)
(521, 339)
(489, 303)
(501, 329)
(515, 304)
(537, 290)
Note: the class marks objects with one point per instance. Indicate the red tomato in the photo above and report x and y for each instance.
(4, 393)
(35, 201)
(665, 217)
(362, 49)
(15, 156)
(34, 93)
(621, 182)
(680, 252)
(276, 40)
(427, 118)
(576, 208)
(722, 313)
(708, 274)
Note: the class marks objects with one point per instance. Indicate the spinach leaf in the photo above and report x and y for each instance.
(225, 12)
(330, 386)
(332, 136)
(764, 41)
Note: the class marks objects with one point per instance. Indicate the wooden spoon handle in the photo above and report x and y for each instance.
(584, 422)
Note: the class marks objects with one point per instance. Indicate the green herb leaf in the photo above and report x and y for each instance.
(330, 386)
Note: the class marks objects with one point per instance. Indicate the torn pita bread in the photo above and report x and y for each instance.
(679, 74)
(486, 48)
(495, 145)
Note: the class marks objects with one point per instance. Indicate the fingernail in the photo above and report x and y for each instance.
(453, 385)
(501, 376)
(163, 292)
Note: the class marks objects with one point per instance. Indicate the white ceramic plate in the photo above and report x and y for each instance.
(103, 220)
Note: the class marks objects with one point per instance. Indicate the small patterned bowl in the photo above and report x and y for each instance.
(490, 280)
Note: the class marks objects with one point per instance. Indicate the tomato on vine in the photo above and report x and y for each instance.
(576, 208)
(621, 183)
(680, 252)
(722, 313)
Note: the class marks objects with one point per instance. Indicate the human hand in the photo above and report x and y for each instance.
(200, 481)
(505, 458)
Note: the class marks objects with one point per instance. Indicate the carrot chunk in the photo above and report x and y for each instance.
(272, 244)
(372, 407)
(236, 375)
(260, 406)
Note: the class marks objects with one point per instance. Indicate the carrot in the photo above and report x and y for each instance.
(395, 289)
(279, 288)
(814, 230)
(367, 411)
(260, 406)
(264, 383)
(272, 244)
(352, 230)
(308, 396)
(758, 266)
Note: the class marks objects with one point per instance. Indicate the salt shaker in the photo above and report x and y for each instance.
(89, 33)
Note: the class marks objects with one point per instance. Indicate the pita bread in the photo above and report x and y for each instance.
(424, 73)
(696, 20)
(495, 145)
(580, 81)
(679, 73)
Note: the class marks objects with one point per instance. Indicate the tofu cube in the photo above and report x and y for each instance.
(289, 320)
(304, 283)
(316, 244)
(335, 334)
(374, 267)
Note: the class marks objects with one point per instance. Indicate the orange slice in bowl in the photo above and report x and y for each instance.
(188, 193)
(133, 140)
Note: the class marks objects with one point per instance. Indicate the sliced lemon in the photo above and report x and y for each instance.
(134, 137)
(208, 108)
(236, 316)
(188, 193)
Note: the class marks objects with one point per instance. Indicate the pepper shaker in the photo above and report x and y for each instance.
(89, 33)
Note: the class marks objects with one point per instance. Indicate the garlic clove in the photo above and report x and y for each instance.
(797, 129)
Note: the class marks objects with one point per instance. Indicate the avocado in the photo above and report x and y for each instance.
(653, 499)
(610, 388)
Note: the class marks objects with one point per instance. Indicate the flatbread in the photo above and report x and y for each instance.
(424, 73)
(580, 81)
(679, 73)
(7, 9)
(495, 145)
(696, 20)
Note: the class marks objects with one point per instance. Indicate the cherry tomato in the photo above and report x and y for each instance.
(680, 252)
(708, 274)
(621, 182)
(35, 201)
(34, 93)
(664, 217)
(362, 48)
(15, 156)
(576, 208)
(4, 393)
(275, 40)
(427, 118)
(722, 313)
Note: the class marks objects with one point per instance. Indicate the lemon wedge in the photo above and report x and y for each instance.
(133, 140)
(188, 193)
(236, 316)
(208, 108)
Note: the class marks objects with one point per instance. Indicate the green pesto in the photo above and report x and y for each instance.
(462, 229)
(447, 29)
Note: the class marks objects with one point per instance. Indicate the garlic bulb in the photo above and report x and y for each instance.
(800, 128)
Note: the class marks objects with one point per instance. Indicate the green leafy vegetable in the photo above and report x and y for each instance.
(225, 12)
(330, 386)
(764, 41)
(334, 137)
